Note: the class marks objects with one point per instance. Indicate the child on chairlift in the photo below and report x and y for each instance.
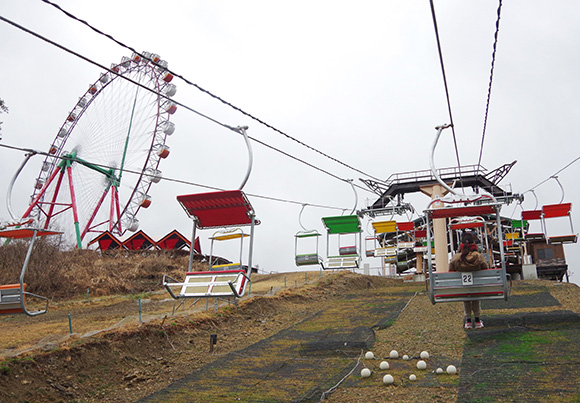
(469, 259)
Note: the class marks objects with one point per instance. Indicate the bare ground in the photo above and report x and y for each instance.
(43, 362)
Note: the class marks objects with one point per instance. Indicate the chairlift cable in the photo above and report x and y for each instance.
(490, 82)
(556, 173)
(68, 14)
(446, 87)
(184, 182)
(234, 129)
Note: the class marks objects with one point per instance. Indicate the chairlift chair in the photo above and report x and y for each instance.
(551, 211)
(477, 225)
(405, 235)
(306, 245)
(222, 236)
(516, 232)
(532, 216)
(403, 240)
(13, 297)
(311, 257)
(472, 286)
(420, 241)
(348, 255)
(370, 246)
(224, 209)
(388, 251)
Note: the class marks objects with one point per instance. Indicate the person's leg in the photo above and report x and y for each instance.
(476, 307)
(467, 314)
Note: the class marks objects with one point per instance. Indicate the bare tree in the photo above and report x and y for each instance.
(3, 108)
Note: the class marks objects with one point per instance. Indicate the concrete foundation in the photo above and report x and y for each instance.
(529, 272)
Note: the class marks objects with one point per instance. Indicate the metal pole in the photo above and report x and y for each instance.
(252, 226)
(70, 324)
(432, 161)
(501, 253)
(140, 321)
(23, 272)
(9, 192)
(192, 246)
(242, 130)
(430, 260)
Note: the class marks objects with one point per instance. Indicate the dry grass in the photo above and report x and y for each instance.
(68, 274)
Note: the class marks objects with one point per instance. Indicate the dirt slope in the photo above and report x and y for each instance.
(294, 340)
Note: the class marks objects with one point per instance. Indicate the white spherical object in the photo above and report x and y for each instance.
(384, 365)
(439, 371)
(365, 373)
(394, 354)
(451, 370)
(412, 377)
(421, 364)
(369, 355)
(424, 355)
(388, 379)
(405, 357)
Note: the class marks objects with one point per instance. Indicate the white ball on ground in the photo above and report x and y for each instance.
(394, 354)
(412, 377)
(451, 370)
(384, 365)
(369, 355)
(439, 371)
(365, 373)
(421, 364)
(424, 355)
(405, 357)
(388, 379)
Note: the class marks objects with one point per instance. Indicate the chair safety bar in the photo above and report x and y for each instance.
(13, 300)
(342, 262)
(486, 284)
(227, 283)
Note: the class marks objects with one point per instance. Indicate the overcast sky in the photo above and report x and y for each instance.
(361, 83)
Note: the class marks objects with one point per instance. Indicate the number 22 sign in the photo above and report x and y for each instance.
(466, 278)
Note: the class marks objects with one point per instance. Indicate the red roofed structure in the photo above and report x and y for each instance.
(175, 240)
(139, 241)
(107, 241)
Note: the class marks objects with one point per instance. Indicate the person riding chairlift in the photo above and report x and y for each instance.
(469, 259)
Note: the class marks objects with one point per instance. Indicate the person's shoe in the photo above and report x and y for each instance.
(478, 324)
(467, 324)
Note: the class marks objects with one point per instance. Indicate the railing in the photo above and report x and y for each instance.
(444, 173)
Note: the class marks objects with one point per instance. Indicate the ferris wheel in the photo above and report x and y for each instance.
(105, 156)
